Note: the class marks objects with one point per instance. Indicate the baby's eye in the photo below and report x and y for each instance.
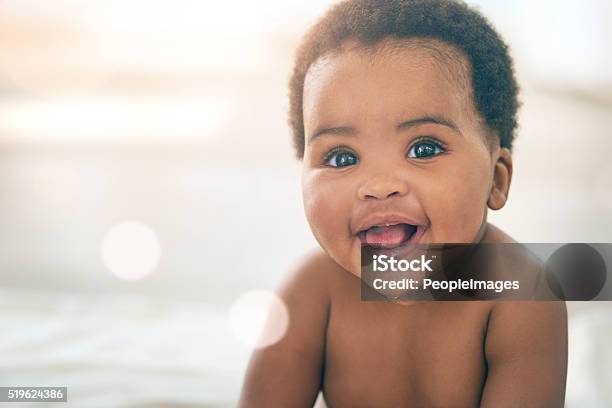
(424, 149)
(341, 158)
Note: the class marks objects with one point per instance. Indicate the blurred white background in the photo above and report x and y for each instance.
(147, 184)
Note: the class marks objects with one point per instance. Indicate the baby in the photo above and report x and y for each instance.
(404, 113)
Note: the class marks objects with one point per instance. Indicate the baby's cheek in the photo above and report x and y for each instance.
(457, 209)
(471, 206)
(327, 209)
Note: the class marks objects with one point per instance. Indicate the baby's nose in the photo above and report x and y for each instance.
(382, 187)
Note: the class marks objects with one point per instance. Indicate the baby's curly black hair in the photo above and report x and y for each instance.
(495, 91)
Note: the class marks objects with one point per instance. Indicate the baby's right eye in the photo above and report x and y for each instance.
(340, 158)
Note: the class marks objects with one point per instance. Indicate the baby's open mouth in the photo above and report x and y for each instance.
(388, 235)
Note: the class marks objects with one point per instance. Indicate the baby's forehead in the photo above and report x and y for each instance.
(397, 77)
(429, 53)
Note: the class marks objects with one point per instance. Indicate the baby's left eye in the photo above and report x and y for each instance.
(425, 149)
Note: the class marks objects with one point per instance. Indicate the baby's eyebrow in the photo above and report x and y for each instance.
(342, 130)
(435, 119)
(348, 130)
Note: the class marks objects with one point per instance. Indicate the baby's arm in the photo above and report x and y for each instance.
(526, 352)
(289, 373)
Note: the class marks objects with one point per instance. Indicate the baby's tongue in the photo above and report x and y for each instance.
(391, 235)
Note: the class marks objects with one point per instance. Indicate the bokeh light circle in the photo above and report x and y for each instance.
(131, 250)
(259, 318)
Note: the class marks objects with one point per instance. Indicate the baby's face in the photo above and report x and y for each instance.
(395, 153)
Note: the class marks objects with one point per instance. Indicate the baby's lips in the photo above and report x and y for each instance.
(384, 219)
(389, 235)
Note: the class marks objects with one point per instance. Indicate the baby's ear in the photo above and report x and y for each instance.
(502, 175)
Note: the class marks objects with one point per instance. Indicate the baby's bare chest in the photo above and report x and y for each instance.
(429, 354)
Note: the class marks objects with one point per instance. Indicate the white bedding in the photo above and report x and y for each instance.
(120, 351)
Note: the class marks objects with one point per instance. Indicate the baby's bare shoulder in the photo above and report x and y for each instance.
(312, 272)
(310, 285)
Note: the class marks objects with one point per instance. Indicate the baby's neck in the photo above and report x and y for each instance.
(490, 234)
